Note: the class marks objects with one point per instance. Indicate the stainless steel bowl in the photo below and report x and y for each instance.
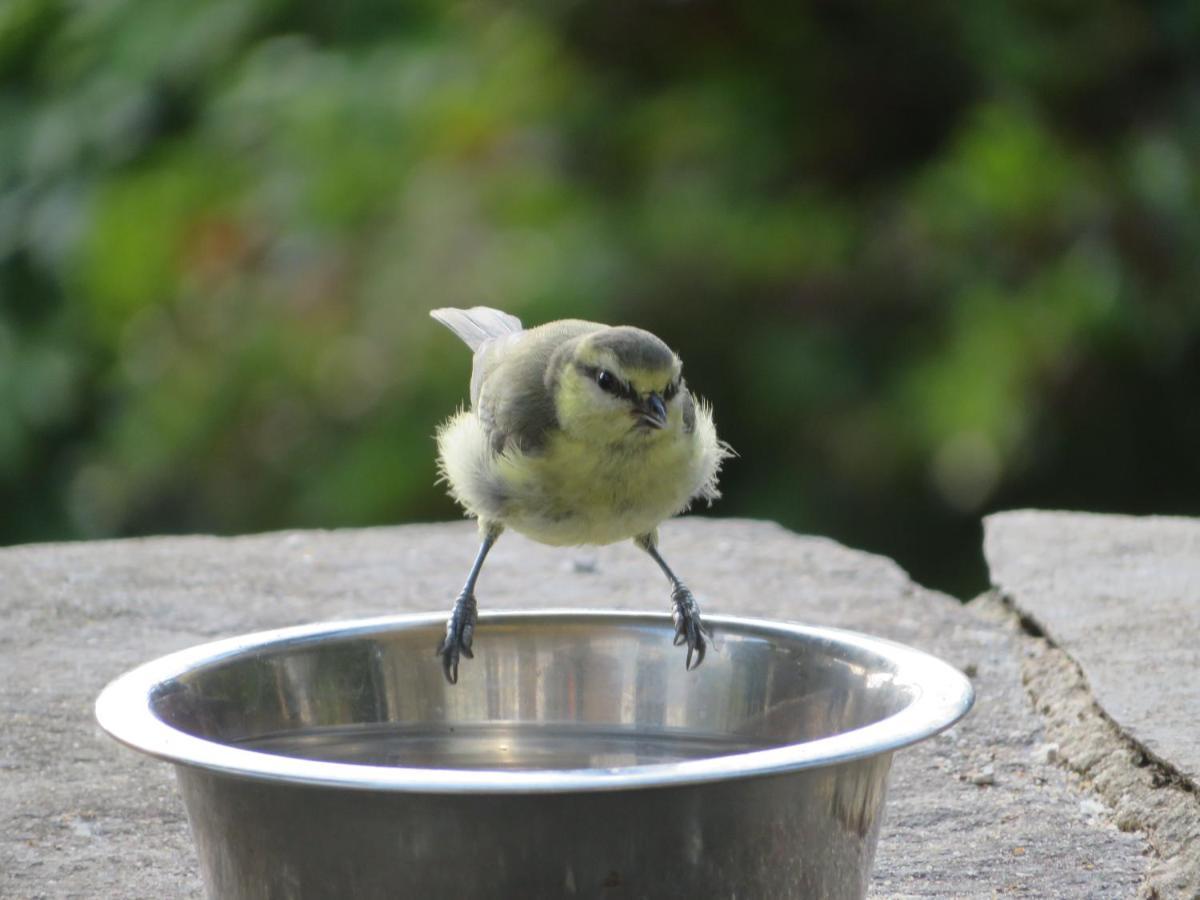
(574, 757)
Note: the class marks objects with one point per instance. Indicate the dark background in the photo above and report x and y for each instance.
(927, 260)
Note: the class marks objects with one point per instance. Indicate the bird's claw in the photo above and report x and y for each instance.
(460, 634)
(689, 627)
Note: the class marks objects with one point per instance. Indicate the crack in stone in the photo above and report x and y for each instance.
(1146, 793)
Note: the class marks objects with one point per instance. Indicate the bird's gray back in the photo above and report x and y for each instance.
(513, 379)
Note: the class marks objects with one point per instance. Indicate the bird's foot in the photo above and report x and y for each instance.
(689, 628)
(460, 633)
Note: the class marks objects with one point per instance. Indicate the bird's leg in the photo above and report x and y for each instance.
(689, 627)
(460, 627)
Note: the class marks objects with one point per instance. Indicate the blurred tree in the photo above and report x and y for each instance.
(927, 261)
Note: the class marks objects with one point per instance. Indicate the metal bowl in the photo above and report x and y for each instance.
(574, 756)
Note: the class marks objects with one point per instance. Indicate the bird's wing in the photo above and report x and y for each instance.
(512, 385)
(478, 324)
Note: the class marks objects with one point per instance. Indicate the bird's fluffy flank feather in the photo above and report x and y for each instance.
(477, 324)
(713, 453)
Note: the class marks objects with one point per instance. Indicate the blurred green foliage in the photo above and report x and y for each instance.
(927, 260)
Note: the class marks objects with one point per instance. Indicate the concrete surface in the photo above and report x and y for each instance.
(1121, 595)
(984, 810)
(1117, 599)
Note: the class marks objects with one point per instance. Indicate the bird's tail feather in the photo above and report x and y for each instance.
(477, 324)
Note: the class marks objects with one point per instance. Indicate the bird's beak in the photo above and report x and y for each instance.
(652, 411)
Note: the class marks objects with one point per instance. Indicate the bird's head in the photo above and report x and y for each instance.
(620, 383)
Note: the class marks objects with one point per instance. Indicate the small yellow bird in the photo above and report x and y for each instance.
(578, 433)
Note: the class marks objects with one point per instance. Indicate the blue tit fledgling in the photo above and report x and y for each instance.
(578, 433)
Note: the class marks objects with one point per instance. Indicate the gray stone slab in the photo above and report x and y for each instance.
(977, 812)
(1121, 596)
(1142, 795)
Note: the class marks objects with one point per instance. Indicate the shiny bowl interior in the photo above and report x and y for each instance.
(552, 702)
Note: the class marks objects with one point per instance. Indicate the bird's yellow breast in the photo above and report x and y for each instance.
(583, 492)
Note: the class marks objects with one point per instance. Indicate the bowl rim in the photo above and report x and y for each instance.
(943, 695)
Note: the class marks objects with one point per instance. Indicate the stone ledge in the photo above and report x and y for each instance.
(1121, 595)
(1141, 794)
(975, 812)
(1111, 610)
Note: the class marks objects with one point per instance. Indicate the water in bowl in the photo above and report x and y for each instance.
(500, 745)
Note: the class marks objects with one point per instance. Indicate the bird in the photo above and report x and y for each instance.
(577, 433)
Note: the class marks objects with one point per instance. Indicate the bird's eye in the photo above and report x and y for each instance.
(607, 381)
(671, 390)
